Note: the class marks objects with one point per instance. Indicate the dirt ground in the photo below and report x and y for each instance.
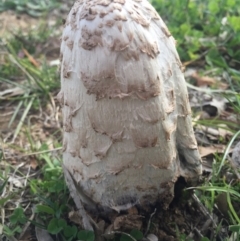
(10, 22)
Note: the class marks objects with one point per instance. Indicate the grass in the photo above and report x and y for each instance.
(32, 7)
(31, 176)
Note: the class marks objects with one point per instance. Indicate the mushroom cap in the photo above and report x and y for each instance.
(128, 134)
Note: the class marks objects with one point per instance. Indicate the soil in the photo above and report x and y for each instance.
(10, 22)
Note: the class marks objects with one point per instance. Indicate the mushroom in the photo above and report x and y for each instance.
(128, 134)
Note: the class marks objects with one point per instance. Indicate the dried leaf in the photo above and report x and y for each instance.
(203, 80)
(42, 234)
(128, 222)
(152, 237)
(222, 203)
(15, 182)
(236, 155)
(132, 210)
(215, 107)
(208, 150)
(34, 164)
(75, 218)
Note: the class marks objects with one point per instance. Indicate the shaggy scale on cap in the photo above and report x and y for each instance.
(127, 119)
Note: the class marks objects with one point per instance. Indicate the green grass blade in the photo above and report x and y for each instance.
(19, 126)
(227, 151)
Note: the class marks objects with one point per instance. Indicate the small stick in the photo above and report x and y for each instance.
(149, 221)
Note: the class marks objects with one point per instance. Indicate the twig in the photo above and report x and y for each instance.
(26, 180)
(37, 153)
(198, 232)
(149, 221)
(203, 209)
(26, 225)
(210, 90)
(205, 226)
